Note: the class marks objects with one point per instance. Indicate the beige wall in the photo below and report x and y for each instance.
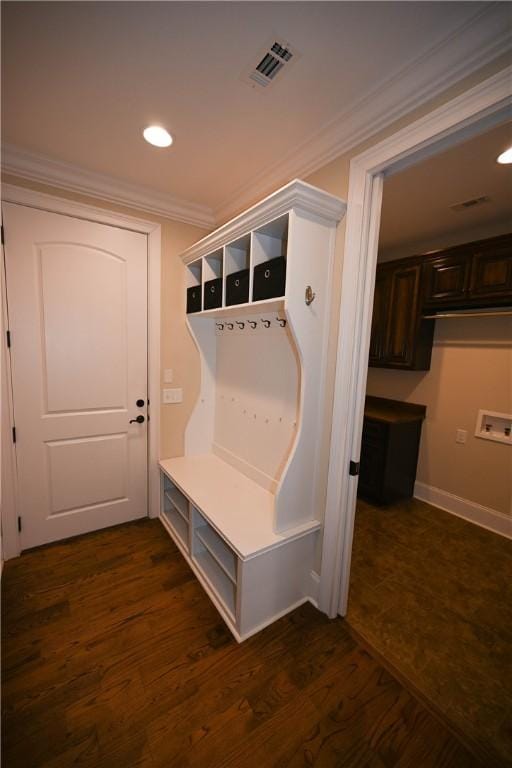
(471, 369)
(177, 348)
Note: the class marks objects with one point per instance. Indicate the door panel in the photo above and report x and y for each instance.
(77, 295)
(403, 315)
(83, 301)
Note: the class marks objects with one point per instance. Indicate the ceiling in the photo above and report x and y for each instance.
(416, 214)
(81, 80)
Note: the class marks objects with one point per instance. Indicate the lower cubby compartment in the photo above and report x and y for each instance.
(176, 522)
(219, 582)
(177, 499)
(218, 549)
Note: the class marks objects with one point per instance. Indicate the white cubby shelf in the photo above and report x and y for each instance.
(244, 502)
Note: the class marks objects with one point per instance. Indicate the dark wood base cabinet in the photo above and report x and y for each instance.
(389, 450)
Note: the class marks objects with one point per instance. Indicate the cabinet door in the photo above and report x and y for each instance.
(446, 280)
(403, 316)
(380, 317)
(491, 274)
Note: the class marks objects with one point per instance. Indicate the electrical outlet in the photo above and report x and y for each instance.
(172, 395)
(461, 436)
(168, 376)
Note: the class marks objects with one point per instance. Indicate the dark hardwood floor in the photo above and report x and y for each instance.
(114, 657)
(432, 595)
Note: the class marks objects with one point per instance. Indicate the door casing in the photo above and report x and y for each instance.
(45, 202)
(474, 111)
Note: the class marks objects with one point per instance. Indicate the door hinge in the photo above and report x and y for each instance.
(19, 524)
(353, 468)
(2, 233)
(14, 434)
(8, 334)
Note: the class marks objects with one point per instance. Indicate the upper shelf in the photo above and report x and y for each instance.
(245, 263)
(241, 511)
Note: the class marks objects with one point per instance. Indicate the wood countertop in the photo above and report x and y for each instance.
(392, 411)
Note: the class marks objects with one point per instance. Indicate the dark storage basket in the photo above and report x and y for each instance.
(237, 287)
(213, 293)
(269, 279)
(194, 299)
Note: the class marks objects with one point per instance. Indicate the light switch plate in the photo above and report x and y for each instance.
(168, 376)
(172, 395)
(461, 436)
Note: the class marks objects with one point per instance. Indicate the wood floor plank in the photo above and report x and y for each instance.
(114, 657)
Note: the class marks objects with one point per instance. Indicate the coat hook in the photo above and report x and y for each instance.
(281, 321)
(240, 324)
(220, 326)
(266, 323)
(309, 295)
(252, 323)
(230, 326)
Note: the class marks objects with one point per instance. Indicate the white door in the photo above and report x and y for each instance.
(77, 304)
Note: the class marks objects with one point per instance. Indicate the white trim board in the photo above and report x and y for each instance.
(486, 101)
(475, 513)
(29, 165)
(22, 196)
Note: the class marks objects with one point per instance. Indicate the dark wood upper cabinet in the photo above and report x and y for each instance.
(400, 338)
(379, 330)
(446, 279)
(491, 273)
(403, 309)
(474, 275)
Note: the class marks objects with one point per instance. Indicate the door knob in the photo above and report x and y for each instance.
(140, 419)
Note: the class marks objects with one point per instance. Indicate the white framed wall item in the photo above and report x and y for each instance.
(480, 107)
(152, 230)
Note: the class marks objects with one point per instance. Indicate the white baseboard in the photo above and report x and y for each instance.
(475, 513)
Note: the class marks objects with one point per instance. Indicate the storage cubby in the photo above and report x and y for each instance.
(250, 470)
(194, 286)
(269, 248)
(213, 287)
(217, 547)
(177, 523)
(237, 263)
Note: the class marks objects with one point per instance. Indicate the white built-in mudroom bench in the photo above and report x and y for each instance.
(242, 504)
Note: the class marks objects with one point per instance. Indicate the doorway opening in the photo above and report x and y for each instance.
(429, 586)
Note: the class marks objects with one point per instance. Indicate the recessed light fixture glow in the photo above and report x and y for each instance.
(157, 136)
(505, 157)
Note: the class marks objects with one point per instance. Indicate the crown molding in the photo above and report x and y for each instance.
(36, 167)
(297, 195)
(483, 38)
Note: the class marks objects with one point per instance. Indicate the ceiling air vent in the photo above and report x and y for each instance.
(466, 204)
(274, 58)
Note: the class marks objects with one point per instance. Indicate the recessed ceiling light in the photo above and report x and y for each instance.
(157, 136)
(505, 157)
